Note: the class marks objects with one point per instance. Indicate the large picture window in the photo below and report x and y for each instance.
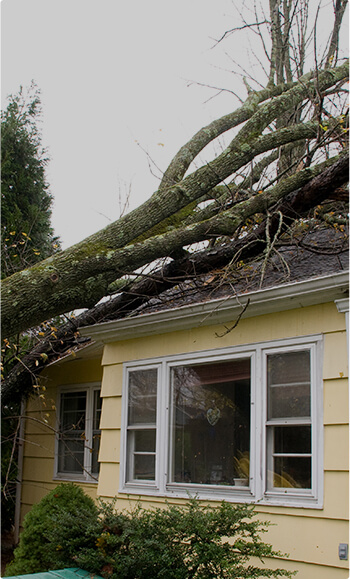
(210, 431)
(242, 424)
(78, 438)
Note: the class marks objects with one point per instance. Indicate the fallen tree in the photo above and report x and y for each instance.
(287, 158)
(81, 275)
(327, 185)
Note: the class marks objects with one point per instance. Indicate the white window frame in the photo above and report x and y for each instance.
(257, 491)
(86, 475)
(304, 497)
(147, 484)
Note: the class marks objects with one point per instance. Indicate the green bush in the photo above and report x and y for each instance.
(54, 530)
(179, 542)
(174, 542)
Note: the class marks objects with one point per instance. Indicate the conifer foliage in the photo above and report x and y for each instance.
(26, 233)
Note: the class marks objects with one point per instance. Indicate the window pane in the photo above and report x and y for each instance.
(211, 423)
(72, 432)
(288, 377)
(71, 453)
(292, 439)
(144, 467)
(141, 454)
(73, 408)
(145, 440)
(142, 397)
(292, 472)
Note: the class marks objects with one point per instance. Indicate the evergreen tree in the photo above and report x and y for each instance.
(26, 233)
(26, 238)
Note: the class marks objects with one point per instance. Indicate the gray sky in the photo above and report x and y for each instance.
(112, 73)
(114, 80)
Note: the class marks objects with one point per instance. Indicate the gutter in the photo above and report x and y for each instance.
(279, 298)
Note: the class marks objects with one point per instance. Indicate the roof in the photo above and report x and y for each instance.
(314, 254)
(312, 269)
(278, 298)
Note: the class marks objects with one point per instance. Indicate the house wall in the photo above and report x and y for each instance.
(39, 430)
(310, 536)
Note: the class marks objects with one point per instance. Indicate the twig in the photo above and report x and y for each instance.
(228, 330)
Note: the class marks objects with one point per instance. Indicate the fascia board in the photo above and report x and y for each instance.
(279, 298)
(88, 352)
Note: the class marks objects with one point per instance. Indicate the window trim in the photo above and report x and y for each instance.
(314, 495)
(257, 491)
(86, 475)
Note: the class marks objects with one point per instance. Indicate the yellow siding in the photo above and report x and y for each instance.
(304, 321)
(336, 356)
(307, 570)
(39, 446)
(108, 481)
(336, 447)
(308, 539)
(111, 413)
(37, 469)
(311, 536)
(336, 409)
(110, 446)
(336, 491)
(112, 380)
(72, 372)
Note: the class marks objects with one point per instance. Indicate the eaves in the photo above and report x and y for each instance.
(275, 299)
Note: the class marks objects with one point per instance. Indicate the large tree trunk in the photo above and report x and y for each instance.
(81, 275)
(20, 380)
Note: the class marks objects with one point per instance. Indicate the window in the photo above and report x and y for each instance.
(241, 424)
(210, 423)
(289, 420)
(142, 411)
(78, 437)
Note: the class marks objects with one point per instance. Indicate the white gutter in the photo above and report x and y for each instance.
(283, 297)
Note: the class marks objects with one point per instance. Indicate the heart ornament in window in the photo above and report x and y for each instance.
(213, 415)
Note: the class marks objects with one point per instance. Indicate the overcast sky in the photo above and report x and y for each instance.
(114, 77)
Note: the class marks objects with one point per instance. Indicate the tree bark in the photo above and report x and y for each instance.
(297, 204)
(80, 276)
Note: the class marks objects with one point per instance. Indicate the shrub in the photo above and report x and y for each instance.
(54, 530)
(179, 542)
(174, 542)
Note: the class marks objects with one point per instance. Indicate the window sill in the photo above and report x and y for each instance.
(75, 478)
(230, 494)
(291, 499)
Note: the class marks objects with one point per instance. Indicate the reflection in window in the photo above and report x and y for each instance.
(211, 423)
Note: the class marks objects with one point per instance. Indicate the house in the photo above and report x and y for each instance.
(234, 391)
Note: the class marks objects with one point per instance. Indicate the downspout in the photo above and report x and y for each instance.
(19, 473)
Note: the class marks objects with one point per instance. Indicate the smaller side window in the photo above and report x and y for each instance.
(289, 428)
(79, 433)
(142, 425)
